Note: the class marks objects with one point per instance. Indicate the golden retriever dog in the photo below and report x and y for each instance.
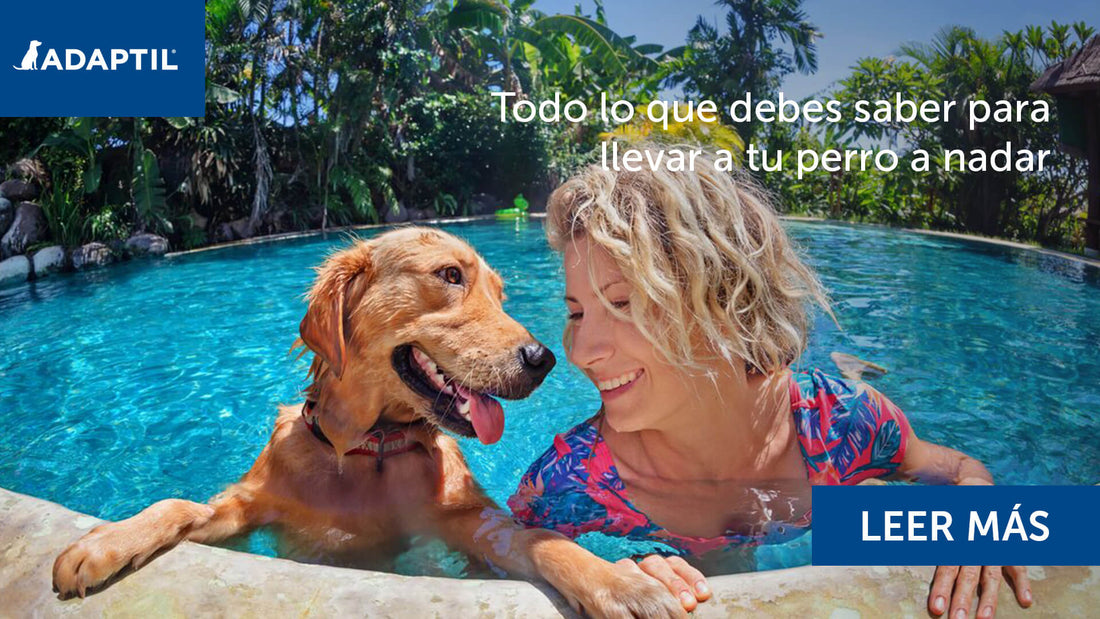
(410, 338)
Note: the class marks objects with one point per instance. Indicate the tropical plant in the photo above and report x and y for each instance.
(20, 136)
(80, 137)
(577, 55)
(62, 207)
(147, 188)
(108, 223)
(445, 131)
(747, 57)
(958, 66)
(321, 112)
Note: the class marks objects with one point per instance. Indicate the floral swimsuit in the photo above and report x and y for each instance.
(847, 432)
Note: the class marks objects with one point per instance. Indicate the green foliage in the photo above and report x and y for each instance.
(446, 205)
(148, 192)
(459, 147)
(338, 112)
(108, 223)
(190, 235)
(957, 66)
(749, 55)
(61, 205)
(358, 207)
(576, 54)
(610, 56)
(20, 136)
(79, 138)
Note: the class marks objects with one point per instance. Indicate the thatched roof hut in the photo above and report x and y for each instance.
(1075, 84)
(1080, 73)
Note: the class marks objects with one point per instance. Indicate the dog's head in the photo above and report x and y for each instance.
(35, 44)
(410, 325)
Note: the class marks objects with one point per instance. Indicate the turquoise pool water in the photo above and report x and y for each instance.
(160, 379)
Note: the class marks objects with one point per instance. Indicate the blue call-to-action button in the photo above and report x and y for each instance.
(956, 525)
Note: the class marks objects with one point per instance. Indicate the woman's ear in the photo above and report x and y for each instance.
(323, 329)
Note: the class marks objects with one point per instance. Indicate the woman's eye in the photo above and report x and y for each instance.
(574, 315)
(620, 304)
(451, 275)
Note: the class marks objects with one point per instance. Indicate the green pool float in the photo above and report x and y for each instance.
(517, 212)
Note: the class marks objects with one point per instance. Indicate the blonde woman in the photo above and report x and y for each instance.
(687, 304)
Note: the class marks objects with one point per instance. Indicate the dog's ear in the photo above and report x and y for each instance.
(323, 329)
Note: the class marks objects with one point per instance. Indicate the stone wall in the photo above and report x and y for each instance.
(194, 580)
(25, 250)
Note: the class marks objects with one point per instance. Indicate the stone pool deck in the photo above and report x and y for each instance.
(195, 580)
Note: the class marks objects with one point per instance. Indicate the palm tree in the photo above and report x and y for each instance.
(577, 54)
(957, 65)
(747, 57)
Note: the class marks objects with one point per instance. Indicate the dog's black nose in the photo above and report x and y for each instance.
(537, 359)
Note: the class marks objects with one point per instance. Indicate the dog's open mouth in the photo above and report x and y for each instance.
(455, 407)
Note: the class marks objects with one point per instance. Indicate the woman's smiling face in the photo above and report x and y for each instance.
(640, 391)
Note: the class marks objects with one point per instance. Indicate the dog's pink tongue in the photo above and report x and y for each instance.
(486, 414)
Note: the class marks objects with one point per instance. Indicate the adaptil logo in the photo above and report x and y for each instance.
(96, 59)
(76, 58)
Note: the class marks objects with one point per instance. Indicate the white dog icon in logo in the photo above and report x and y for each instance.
(30, 59)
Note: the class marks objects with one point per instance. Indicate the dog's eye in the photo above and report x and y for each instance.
(451, 275)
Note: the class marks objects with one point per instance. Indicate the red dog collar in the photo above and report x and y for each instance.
(380, 441)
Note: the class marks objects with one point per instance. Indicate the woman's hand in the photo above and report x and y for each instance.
(965, 580)
(684, 582)
(956, 585)
(953, 586)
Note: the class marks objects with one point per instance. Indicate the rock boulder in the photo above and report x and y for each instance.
(7, 215)
(28, 227)
(396, 215)
(48, 260)
(485, 204)
(146, 244)
(242, 228)
(91, 255)
(18, 191)
(16, 268)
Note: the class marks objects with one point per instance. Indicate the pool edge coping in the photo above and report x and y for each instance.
(193, 579)
(285, 236)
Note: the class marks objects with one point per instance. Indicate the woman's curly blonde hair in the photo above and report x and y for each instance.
(705, 255)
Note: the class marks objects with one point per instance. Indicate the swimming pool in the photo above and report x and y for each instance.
(160, 379)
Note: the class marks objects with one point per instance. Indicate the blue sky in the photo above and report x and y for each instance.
(852, 28)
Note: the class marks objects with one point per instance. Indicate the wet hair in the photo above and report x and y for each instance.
(705, 255)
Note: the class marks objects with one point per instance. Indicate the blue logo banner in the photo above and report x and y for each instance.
(956, 525)
(112, 58)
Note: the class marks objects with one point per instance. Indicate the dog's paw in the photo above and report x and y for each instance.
(92, 560)
(111, 547)
(620, 591)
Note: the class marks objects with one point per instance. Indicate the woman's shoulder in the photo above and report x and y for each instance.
(832, 396)
(814, 382)
(817, 397)
(847, 426)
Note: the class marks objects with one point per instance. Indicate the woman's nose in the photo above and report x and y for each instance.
(589, 343)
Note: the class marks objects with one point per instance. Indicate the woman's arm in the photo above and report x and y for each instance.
(930, 463)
